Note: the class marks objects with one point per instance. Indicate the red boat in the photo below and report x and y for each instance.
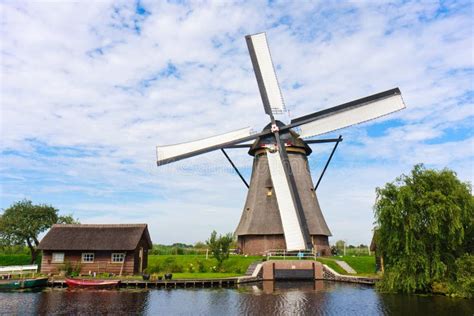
(92, 283)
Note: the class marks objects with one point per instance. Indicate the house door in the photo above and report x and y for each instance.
(140, 257)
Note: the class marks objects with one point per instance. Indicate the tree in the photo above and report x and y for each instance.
(425, 222)
(200, 245)
(340, 244)
(23, 221)
(220, 246)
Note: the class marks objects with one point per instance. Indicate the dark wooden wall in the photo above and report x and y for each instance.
(102, 262)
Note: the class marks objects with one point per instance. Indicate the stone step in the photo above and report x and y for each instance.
(346, 267)
(252, 267)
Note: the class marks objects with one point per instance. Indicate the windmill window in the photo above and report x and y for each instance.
(87, 257)
(269, 191)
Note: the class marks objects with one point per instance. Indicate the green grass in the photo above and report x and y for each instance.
(212, 275)
(236, 265)
(363, 265)
(332, 264)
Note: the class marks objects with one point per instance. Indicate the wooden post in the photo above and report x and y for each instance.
(123, 262)
(140, 255)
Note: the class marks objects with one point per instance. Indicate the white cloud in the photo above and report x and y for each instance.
(93, 78)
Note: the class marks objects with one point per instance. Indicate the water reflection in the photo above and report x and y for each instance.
(309, 298)
(266, 298)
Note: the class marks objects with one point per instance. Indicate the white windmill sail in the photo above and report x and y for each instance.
(353, 113)
(265, 73)
(170, 153)
(289, 218)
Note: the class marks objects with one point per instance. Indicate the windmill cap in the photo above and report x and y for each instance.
(290, 138)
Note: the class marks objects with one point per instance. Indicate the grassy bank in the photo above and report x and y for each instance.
(236, 265)
(332, 264)
(197, 266)
(363, 265)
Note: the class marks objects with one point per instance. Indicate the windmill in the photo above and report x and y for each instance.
(282, 211)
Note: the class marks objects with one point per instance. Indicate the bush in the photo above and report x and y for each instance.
(170, 265)
(154, 268)
(201, 266)
(14, 259)
(71, 269)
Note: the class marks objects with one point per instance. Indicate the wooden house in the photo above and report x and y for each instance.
(118, 248)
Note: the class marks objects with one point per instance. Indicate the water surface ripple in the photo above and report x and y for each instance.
(267, 298)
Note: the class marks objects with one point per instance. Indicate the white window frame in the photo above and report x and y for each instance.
(53, 260)
(86, 254)
(117, 253)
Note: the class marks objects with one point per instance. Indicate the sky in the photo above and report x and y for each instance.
(89, 90)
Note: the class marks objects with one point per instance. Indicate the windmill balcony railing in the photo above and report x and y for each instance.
(285, 254)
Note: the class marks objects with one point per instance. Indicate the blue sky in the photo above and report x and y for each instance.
(89, 90)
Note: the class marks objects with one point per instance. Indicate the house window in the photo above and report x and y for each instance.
(58, 257)
(118, 257)
(87, 257)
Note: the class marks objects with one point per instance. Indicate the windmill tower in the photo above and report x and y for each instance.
(282, 210)
(260, 228)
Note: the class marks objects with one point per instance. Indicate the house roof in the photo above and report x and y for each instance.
(95, 237)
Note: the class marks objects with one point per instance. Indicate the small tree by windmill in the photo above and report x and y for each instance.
(220, 247)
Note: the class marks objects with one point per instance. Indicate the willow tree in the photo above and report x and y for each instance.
(425, 221)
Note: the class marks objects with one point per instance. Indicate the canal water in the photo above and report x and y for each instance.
(267, 298)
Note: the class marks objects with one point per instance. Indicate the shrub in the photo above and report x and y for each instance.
(154, 268)
(170, 265)
(71, 269)
(201, 266)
